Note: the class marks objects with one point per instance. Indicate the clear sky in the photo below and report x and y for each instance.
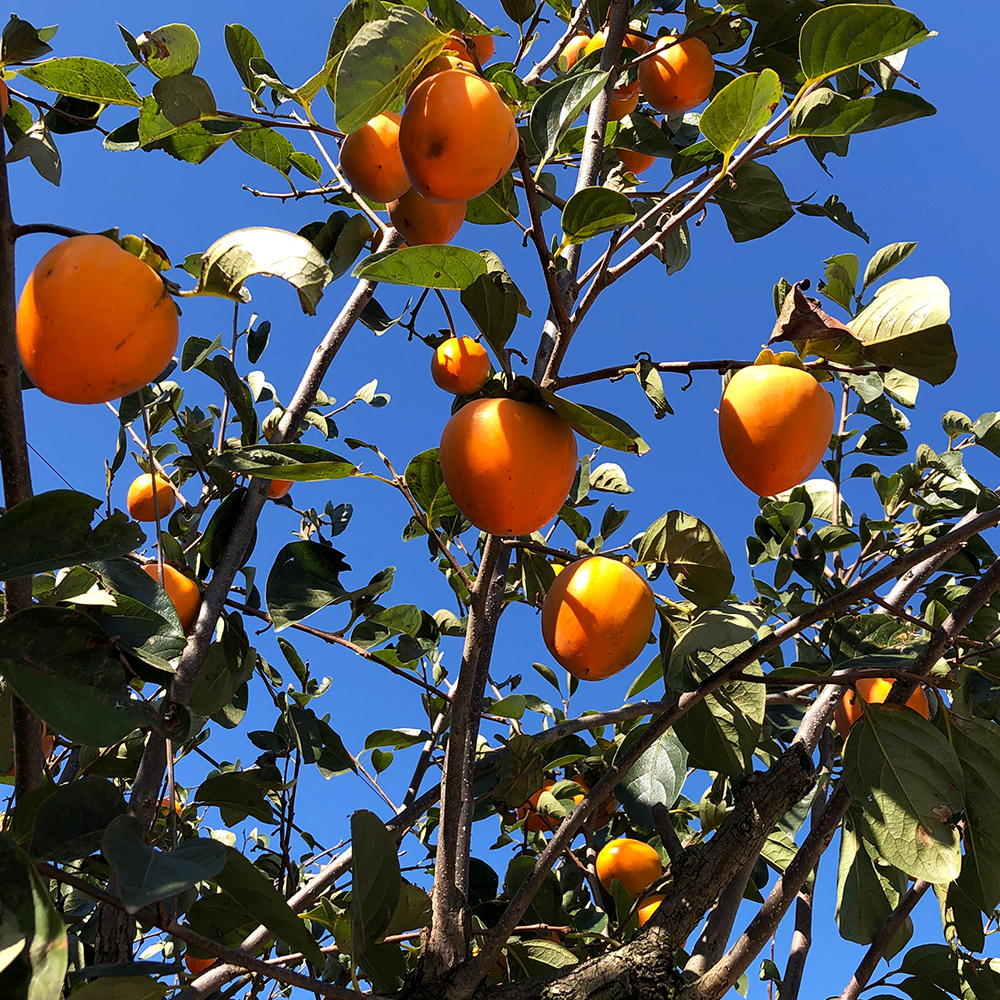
(931, 181)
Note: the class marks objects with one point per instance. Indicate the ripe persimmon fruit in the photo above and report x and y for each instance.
(508, 465)
(94, 322)
(196, 966)
(484, 46)
(631, 41)
(570, 55)
(461, 366)
(447, 60)
(775, 422)
(165, 807)
(182, 591)
(370, 159)
(597, 617)
(679, 76)
(140, 497)
(634, 161)
(635, 864)
(279, 488)
(649, 906)
(457, 137)
(420, 221)
(874, 691)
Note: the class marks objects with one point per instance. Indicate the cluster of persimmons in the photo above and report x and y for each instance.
(508, 464)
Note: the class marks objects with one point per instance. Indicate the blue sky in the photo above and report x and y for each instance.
(931, 181)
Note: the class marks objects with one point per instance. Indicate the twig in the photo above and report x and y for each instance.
(883, 939)
(46, 227)
(573, 28)
(338, 640)
(185, 933)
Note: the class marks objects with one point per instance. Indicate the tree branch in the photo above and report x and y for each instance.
(447, 943)
(145, 790)
(573, 28)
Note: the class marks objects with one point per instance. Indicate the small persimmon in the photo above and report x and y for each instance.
(635, 864)
(164, 809)
(370, 159)
(873, 691)
(94, 322)
(457, 137)
(597, 617)
(447, 60)
(196, 966)
(140, 497)
(279, 488)
(420, 221)
(570, 55)
(508, 465)
(679, 76)
(484, 46)
(775, 422)
(182, 591)
(634, 161)
(649, 906)
(461, 366)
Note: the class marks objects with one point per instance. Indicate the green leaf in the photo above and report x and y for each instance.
(977, 744)
(492, 304)
(70, 823)
(67, 670)
(22, 41)
(38, 146)
(87, 79)
(657, 776)
(304, 578)
(827, 113)
(907, 778)
(33, 944)
(223, 371)
(652, 385)
(695, 558)
(836, 38)
(255, 893)
(233, 258)
(740, 110)
(885, 260)
(170, 51)
(379, 62)
(836, 211)
(301, 463)
(52, 530)
(595, 210)
(597, 425)
(556, 110)
(432, 266)
(228, 666)
(242, 46)
(757, 205)
(144, 875)
(496, 206)
(397, 739)
(866, 892)
(236, 796)
(906, 327)
(376, 885)
(352, 18)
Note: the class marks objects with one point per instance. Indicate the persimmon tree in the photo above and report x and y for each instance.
(732, 773)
